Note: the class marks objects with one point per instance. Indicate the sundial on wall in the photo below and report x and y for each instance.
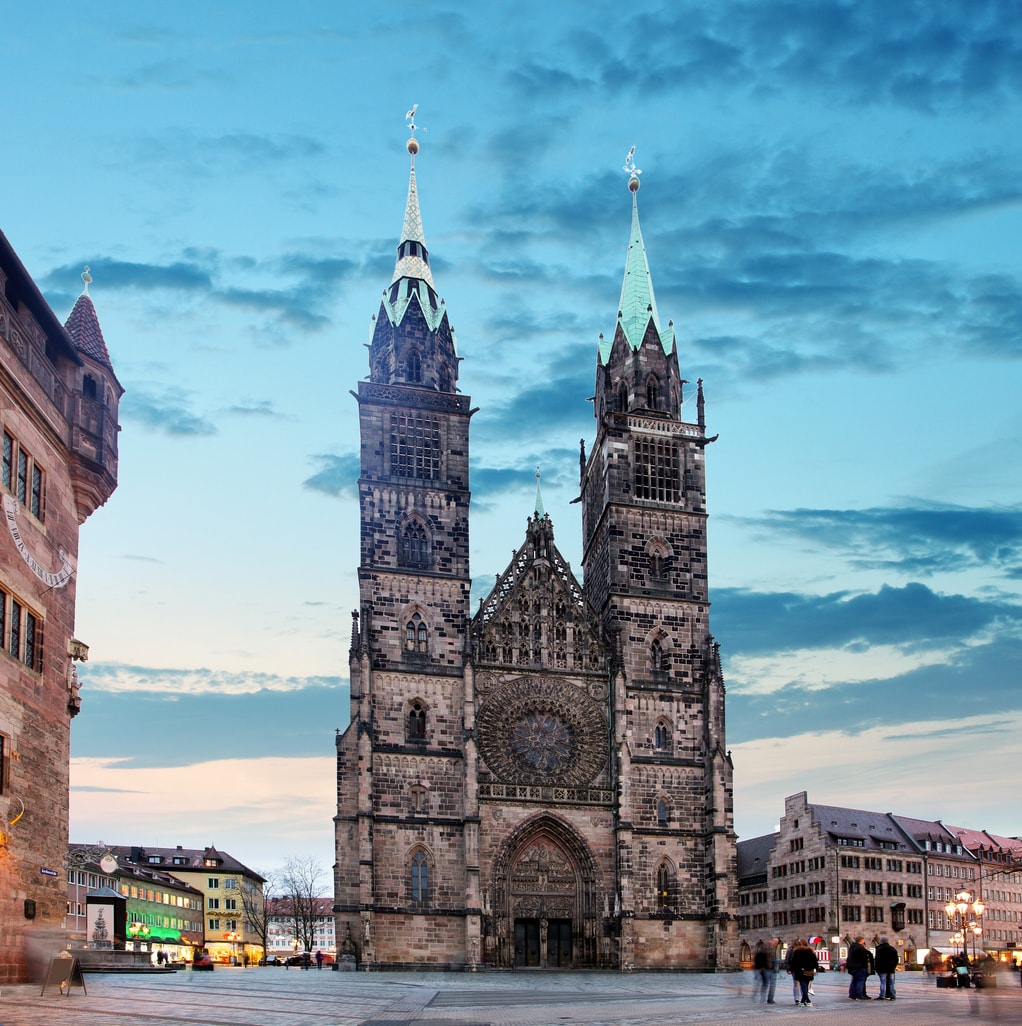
(542, 731)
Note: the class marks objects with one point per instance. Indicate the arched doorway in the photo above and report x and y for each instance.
(544, 899)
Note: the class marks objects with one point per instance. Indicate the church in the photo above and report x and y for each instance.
(545, 783)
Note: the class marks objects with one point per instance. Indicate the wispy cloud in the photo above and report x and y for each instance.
(920, 539)
(167, 410)
(337, 475)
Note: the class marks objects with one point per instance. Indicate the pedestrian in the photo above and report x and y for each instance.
(885, 961)
(802, 964)
(859, 964)
(760, 962)
(319, 959)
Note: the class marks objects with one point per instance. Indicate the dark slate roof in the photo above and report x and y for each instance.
(754, 856)
(84, 331)
(859, 824)
(196, 859)
(922, 830)
(154, 875)
(21, 287)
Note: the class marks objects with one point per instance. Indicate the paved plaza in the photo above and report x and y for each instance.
(272, 996)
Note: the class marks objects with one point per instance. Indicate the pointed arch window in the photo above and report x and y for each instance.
(664, 888)
(622, 397)
(657, 658)
(416, 635)
(661, 813)
(413, 367)
(653, 392)
(416, 727)
(413, 546)
(662, 737)
(419, 877)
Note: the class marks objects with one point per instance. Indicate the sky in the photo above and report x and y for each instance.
(831, 204)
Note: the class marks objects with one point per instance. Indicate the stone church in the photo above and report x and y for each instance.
(545, 783)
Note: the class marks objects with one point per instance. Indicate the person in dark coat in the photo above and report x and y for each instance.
(859, 964)
(766, 976)
(802, 964)
(885, 961)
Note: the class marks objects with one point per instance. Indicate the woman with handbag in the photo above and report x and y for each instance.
(802, 964)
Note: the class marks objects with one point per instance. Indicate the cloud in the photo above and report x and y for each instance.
(156, 725)
(165, 411)
(921, 539)
(337, 475)
(173, 682)
(108, 273)
(241, 805)
(877, 768)
(255, 408)
(908, 617)
(922, 56)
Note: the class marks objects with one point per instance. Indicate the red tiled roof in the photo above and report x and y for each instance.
(84, 331)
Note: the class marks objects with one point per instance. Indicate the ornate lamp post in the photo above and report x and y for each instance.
(969, 911)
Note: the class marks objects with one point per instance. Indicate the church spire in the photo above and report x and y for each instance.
(412, 338)
(412, 255)
(638, 368)
(637, 306)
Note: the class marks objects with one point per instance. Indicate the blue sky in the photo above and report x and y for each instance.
(832, 211)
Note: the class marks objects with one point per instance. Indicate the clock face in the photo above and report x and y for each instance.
(53, 579)
(108, 863)
(542, 730)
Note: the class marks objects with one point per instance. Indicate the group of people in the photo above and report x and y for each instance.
(862, 963)
(802, 964)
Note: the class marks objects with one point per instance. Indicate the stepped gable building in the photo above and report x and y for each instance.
(835, 874)
(58, 424)
(545, 783)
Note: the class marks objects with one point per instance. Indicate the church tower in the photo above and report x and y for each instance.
(399, 766)
(545, 783)
(644, 536)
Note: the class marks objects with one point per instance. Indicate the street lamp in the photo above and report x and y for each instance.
(969, 911)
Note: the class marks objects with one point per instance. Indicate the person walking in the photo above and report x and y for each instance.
(319, 959)
(859, 964)
(763, 967)
(885, 961)
(802, 964)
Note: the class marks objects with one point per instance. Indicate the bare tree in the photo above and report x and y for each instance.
(256, 906)
(299, 884)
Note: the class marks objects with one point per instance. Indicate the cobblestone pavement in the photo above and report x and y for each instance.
(276, 997)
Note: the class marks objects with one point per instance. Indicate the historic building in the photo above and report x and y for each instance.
(834, 874)
(58, 422)
(545, 783)
(162, 912)
(225, 885)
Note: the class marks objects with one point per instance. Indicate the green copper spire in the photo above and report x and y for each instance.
(638, 304)
(412, 277)
(412, 260)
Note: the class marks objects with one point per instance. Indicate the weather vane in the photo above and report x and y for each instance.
(631, 170)
(413, 143)
(410, 118)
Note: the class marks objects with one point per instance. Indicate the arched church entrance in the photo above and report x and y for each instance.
(544, 899)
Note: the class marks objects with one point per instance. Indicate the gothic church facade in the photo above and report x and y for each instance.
(544, 783)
